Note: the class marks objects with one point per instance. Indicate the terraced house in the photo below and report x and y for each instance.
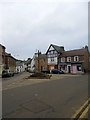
(74, 61)
(10, 62)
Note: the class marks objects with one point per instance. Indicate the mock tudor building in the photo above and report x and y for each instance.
(52, 55)
(74, 61)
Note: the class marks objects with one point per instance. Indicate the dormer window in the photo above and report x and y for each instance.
(76, 58)
(68, 59)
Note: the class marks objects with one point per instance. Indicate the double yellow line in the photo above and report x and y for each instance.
(81, 113)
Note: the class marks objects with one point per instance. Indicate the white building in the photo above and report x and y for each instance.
(32, 64)
(20, 66)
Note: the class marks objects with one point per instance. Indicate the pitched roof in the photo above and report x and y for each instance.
(2, 46)
(75, 52)
(9, 55)
(56, 47)
(28, 61)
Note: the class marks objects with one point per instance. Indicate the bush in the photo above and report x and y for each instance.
(40, 75)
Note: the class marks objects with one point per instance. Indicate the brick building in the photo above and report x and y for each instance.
(74, 61)
(10, 62)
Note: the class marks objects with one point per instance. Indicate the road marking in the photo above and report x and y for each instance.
(81, 110)
(85, 112)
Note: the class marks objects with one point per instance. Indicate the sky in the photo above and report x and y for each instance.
(30, 25)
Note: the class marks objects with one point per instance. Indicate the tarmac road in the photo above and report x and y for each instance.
(50, 99)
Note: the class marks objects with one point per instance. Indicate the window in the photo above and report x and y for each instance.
(52, 59)
(51, 52)
(76, 58)
(68, 59)
(63, 59)
(79, 68)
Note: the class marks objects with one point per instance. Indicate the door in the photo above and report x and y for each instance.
(69, 69)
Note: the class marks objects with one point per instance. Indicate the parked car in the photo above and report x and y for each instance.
(16, 72)
(56, 71)
(46, 71)
(7, 74)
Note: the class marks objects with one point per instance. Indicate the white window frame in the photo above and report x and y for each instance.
(75, 58)
(63, 59)
(52, 59)
(68, 59)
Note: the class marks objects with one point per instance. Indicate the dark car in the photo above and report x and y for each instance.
(56, 71)
(46, 71)
(7, 74)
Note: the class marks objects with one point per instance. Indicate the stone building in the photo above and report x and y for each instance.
(41, 61)
(10, 62)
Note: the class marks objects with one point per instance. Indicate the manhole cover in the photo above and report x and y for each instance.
(36, 106)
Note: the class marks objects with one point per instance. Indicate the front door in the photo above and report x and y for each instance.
(69, 69)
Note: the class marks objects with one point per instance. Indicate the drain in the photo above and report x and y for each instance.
(36, 106)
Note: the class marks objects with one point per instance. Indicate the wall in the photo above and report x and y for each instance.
(10, 63)
(2, 58)
(41, 64)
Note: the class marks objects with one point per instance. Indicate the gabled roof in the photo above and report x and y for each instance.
(75, 52)
(56, 47)
(2, 46)
(28, 61)
(9, 55)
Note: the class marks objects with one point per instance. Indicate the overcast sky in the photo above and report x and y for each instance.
(28, 26)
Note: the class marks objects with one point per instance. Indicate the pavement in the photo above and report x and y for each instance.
(58, 97)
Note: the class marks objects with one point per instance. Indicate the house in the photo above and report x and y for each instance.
(28, 64)
(74, 61)
(41, 61)
(38, 62)
(2, 58)
(20, 66)
(10, 62)
(32, 65)
(52, 56)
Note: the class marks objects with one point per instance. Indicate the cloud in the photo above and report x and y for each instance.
(30, 26)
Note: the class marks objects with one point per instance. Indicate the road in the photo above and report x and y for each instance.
(49, 99)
